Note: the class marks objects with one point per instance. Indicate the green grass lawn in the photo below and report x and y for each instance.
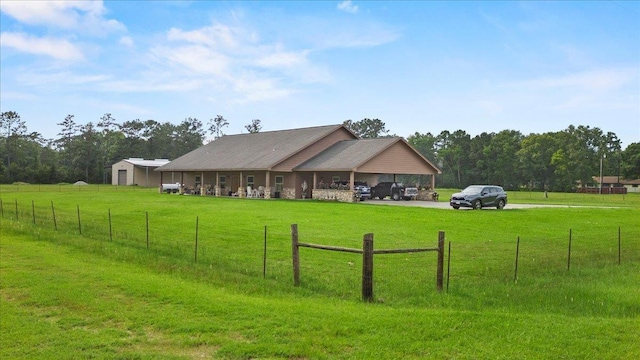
(66, 295)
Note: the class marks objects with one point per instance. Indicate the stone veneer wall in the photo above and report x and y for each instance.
(288, 193)
(425, 195)
(332, 194)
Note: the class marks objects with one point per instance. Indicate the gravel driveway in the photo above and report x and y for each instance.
(445, 204)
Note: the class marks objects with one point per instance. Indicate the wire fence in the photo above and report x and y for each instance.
(263, 250)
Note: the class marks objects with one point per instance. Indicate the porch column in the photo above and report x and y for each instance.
(352, 179)
(433, 182)
(203, 190)
(216, 187)
(161, 182)
(267, 185)
(241, 191)
(181, 192)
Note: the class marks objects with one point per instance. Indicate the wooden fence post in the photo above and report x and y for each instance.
(367, 268)
(440, 260)
(33, 211)
(296, 254)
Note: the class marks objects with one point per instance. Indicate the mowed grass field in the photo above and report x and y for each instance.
(123, 277)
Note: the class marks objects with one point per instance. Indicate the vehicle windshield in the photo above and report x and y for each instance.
(472, 189)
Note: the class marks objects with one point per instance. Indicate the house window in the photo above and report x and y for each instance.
(198, 180)
(250, 181)
(279, 182)
(223, 181)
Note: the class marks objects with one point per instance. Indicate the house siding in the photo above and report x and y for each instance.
(398, 157)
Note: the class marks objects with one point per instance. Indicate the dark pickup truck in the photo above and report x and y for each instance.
(394, 190)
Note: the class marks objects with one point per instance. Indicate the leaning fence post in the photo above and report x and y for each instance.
(440, 260)
(79, 223)
(33, 212)
(17, 210)
(569, 253)
(295, 254)
(515, 274)
(53, 211)
(367, 267)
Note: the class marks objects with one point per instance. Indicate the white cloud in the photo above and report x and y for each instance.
(594, 80)
(215, 35)
(282, 59)
(348, 6)
(57, 48)
(198, 59)
(88, 16)
(127, 41)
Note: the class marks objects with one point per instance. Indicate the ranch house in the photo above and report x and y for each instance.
(293, 164)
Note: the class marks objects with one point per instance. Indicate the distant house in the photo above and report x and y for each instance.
(612, 184)
(137, 171)
(293, 163)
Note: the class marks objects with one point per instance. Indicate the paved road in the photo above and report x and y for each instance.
(445, 204)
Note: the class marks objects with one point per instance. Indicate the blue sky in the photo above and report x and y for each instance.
(418, 66)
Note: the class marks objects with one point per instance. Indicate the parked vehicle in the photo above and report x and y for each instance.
(395, 190)
(410, 193)
(362, 189)
(479, 196)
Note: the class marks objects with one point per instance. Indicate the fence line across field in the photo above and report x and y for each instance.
(97, 228)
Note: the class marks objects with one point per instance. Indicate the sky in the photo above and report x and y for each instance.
(419, 66)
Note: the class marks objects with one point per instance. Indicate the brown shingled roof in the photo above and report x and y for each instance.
(347, 155)
(254, 151)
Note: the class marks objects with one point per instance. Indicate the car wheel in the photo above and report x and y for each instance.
(477, 205)
(456, 207)
(500, 204)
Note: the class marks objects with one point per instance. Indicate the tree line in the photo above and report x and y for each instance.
(554, 161)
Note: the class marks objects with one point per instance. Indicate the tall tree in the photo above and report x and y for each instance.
(367, 128)
(108, 142)
(453, 153)
(534, 157)
(254, 126)
(65, 144)
(631, 161)
(87, 157)
(188, 135)
(216, 125)
(14, 129)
